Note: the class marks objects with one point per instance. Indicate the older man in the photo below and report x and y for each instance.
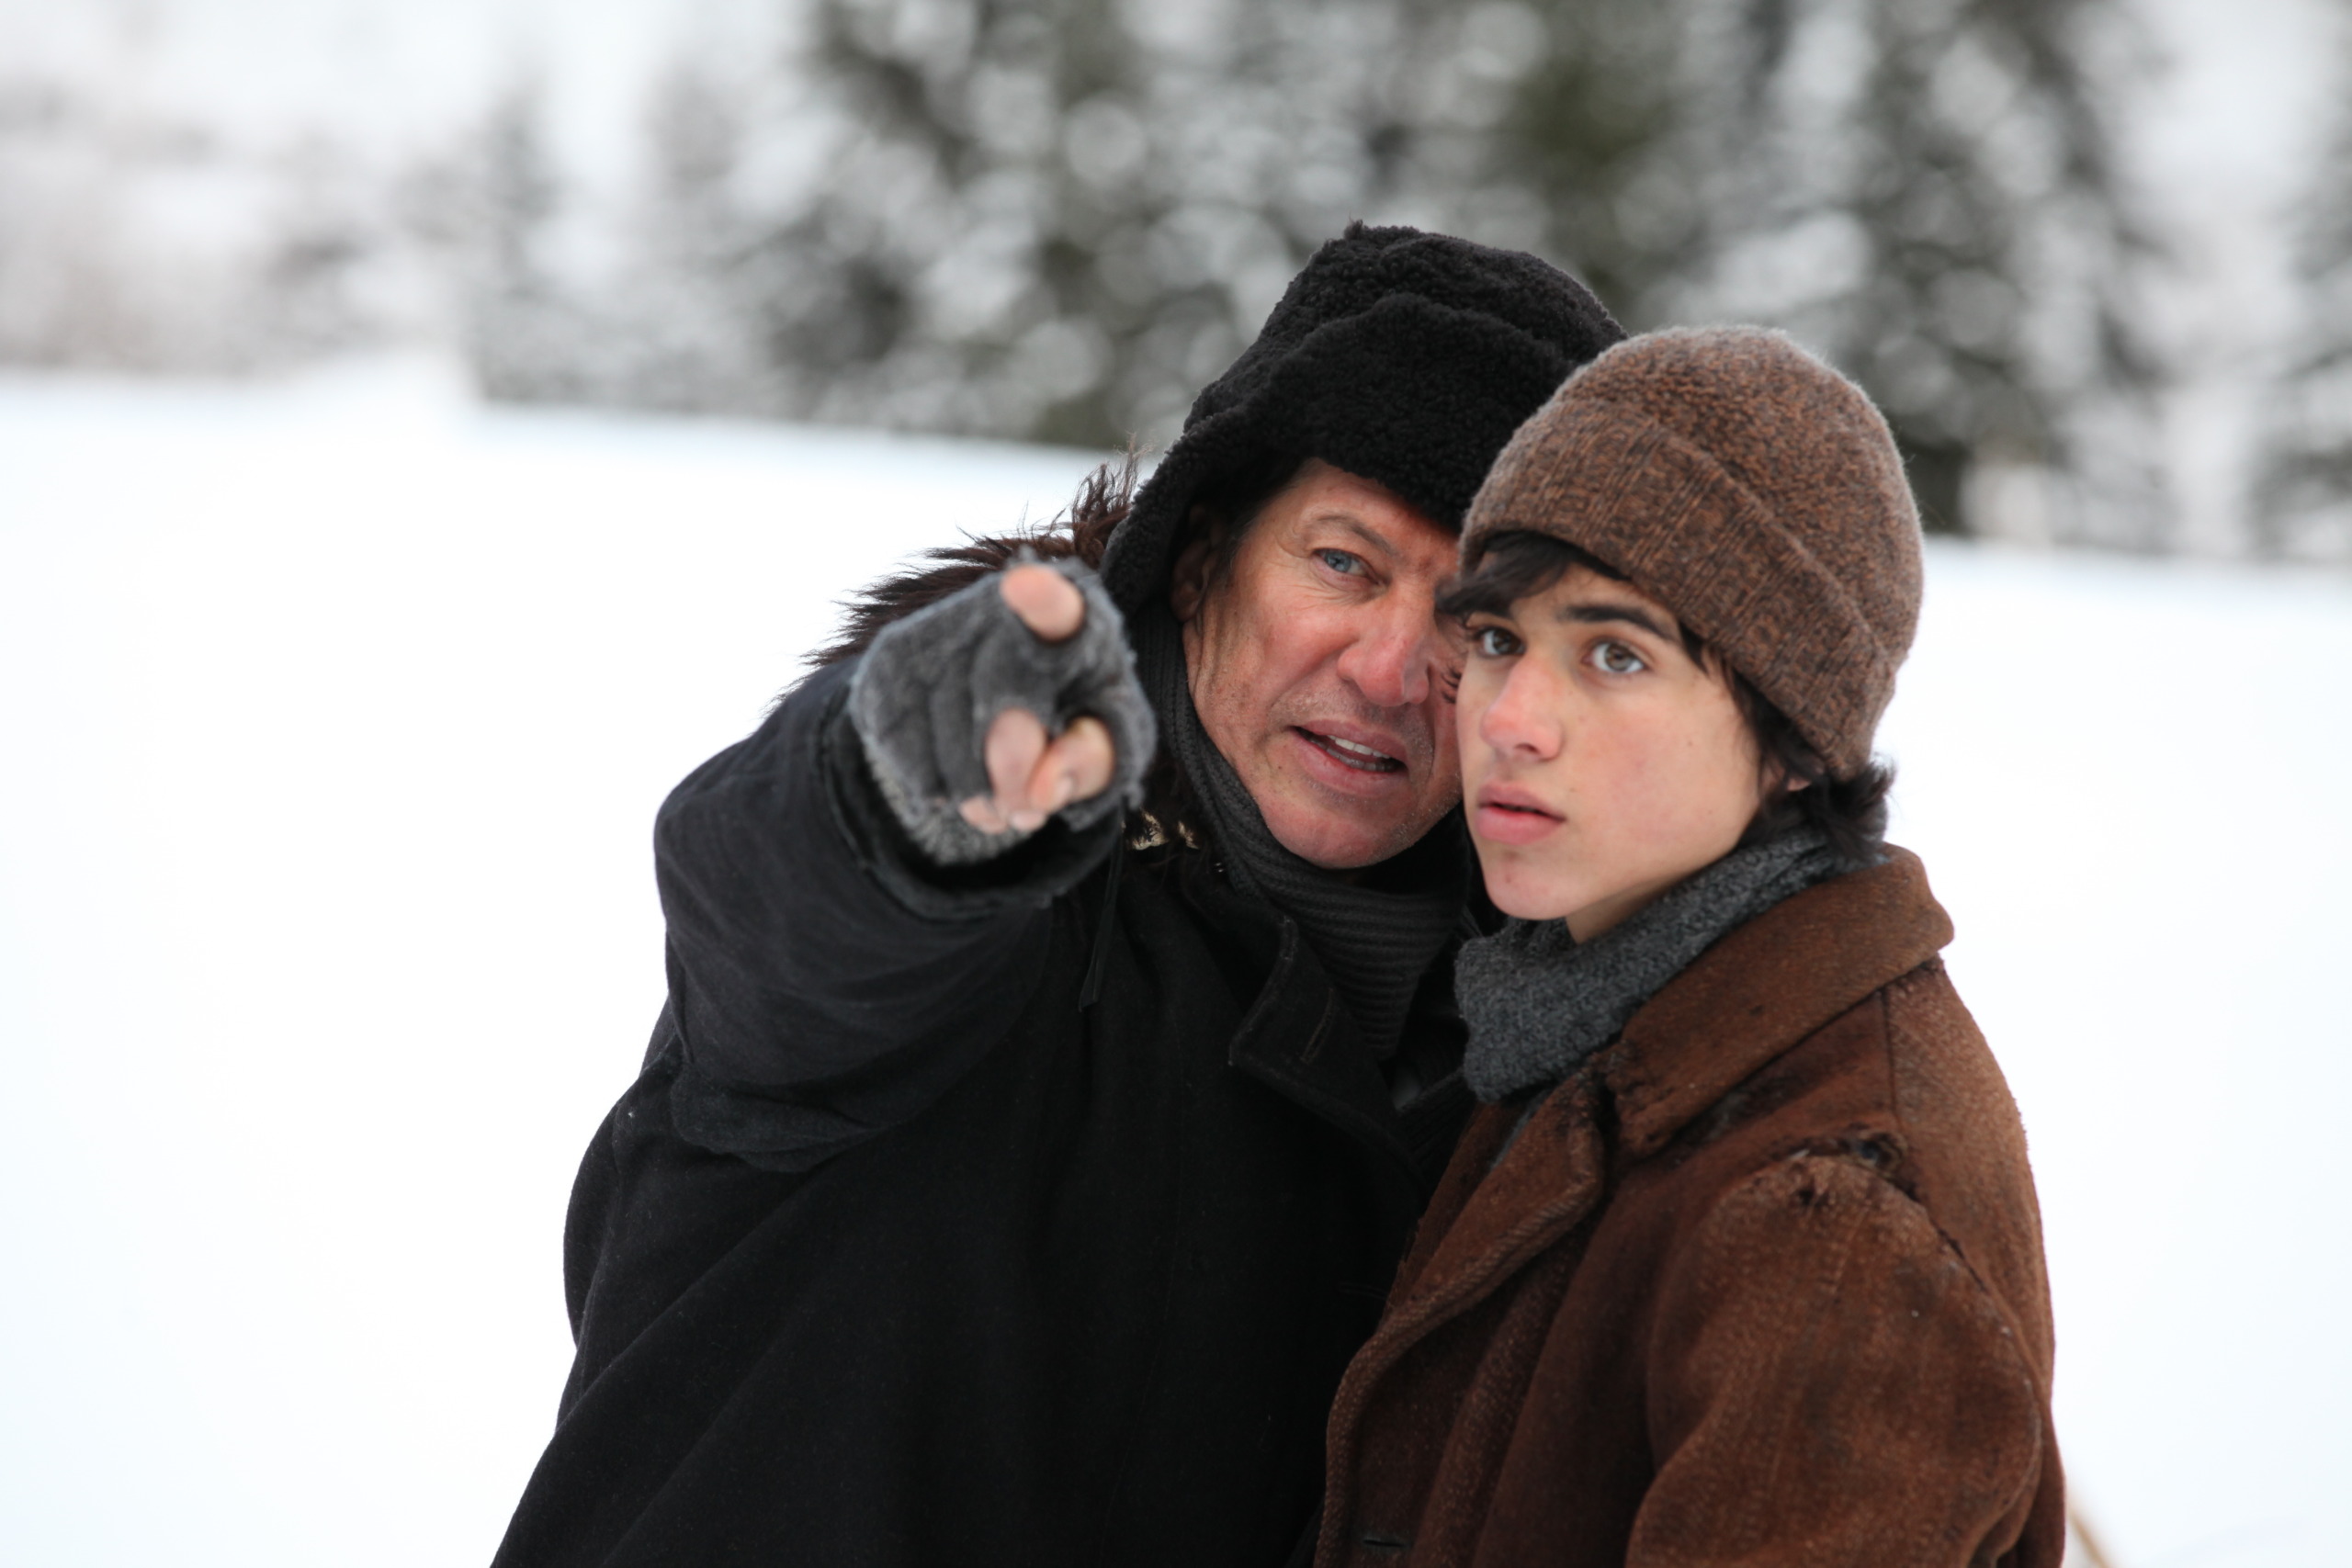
(1060, 1038)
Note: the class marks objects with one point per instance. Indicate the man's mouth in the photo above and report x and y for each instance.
(1353, 753)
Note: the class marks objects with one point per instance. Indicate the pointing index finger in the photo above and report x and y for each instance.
(1047, 603)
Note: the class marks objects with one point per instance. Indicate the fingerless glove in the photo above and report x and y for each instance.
(930, 687)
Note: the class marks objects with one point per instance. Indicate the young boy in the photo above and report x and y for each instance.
(1740, 1260)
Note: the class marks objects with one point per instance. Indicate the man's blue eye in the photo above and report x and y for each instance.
(1339, 560)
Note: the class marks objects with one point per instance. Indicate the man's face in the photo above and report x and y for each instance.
(1319, 667)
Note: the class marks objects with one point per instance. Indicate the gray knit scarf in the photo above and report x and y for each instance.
(1538, 1002)
(1375, 942)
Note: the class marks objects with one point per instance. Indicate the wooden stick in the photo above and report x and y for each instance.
(2080, 1528)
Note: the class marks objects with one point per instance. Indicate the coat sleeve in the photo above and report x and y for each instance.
(826, 981)
(1831, 1383)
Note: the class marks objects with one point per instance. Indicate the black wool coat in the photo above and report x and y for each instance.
(1026, 1214)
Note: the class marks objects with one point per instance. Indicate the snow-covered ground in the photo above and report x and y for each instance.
(333, 718)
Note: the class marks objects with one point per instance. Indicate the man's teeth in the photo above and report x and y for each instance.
(1356, 753)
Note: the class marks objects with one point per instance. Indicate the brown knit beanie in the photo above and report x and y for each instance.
(1750, 489)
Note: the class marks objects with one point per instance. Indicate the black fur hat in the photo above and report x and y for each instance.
(1406, 358)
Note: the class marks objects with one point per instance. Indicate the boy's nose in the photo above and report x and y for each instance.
(1524, 717)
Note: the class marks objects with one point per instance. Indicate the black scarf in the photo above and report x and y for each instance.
(1375, 942)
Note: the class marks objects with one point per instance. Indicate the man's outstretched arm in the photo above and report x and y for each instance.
(857, 895)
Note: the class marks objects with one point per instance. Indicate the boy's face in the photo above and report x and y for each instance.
(1601, 763)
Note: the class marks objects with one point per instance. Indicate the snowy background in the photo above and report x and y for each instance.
(335, 705)
(336, 714)
(2094, 256)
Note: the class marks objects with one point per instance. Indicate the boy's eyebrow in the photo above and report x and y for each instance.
(1605, 612)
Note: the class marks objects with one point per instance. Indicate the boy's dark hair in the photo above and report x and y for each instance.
(1851, 812)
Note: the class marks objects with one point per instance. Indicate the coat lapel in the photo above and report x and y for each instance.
(1753, 995)
(1547, 1181)
(1763, 988)
(1299, 1039)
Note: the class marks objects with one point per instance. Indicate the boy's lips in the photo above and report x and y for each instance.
(1504, 815)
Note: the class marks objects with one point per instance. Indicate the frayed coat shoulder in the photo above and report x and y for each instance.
(1762, 1284)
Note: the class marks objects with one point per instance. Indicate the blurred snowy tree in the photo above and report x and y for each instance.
(698, 292)
(1057, 218)
(1928, 191)
(1604, 137)
(1052, 217)
(63, 299)
(2303, 489)
(140, 241)
(496, 206)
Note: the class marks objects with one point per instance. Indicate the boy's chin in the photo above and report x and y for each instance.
(1526, 892)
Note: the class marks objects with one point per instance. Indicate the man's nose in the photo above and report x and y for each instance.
(1393, 657)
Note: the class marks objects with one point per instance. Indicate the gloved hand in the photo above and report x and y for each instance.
(987, 712)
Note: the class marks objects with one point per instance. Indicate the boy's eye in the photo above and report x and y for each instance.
(1493, 642)
(1615, 659)
(1341, 562)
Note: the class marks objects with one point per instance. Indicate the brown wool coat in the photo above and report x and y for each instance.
(1762, 1284)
